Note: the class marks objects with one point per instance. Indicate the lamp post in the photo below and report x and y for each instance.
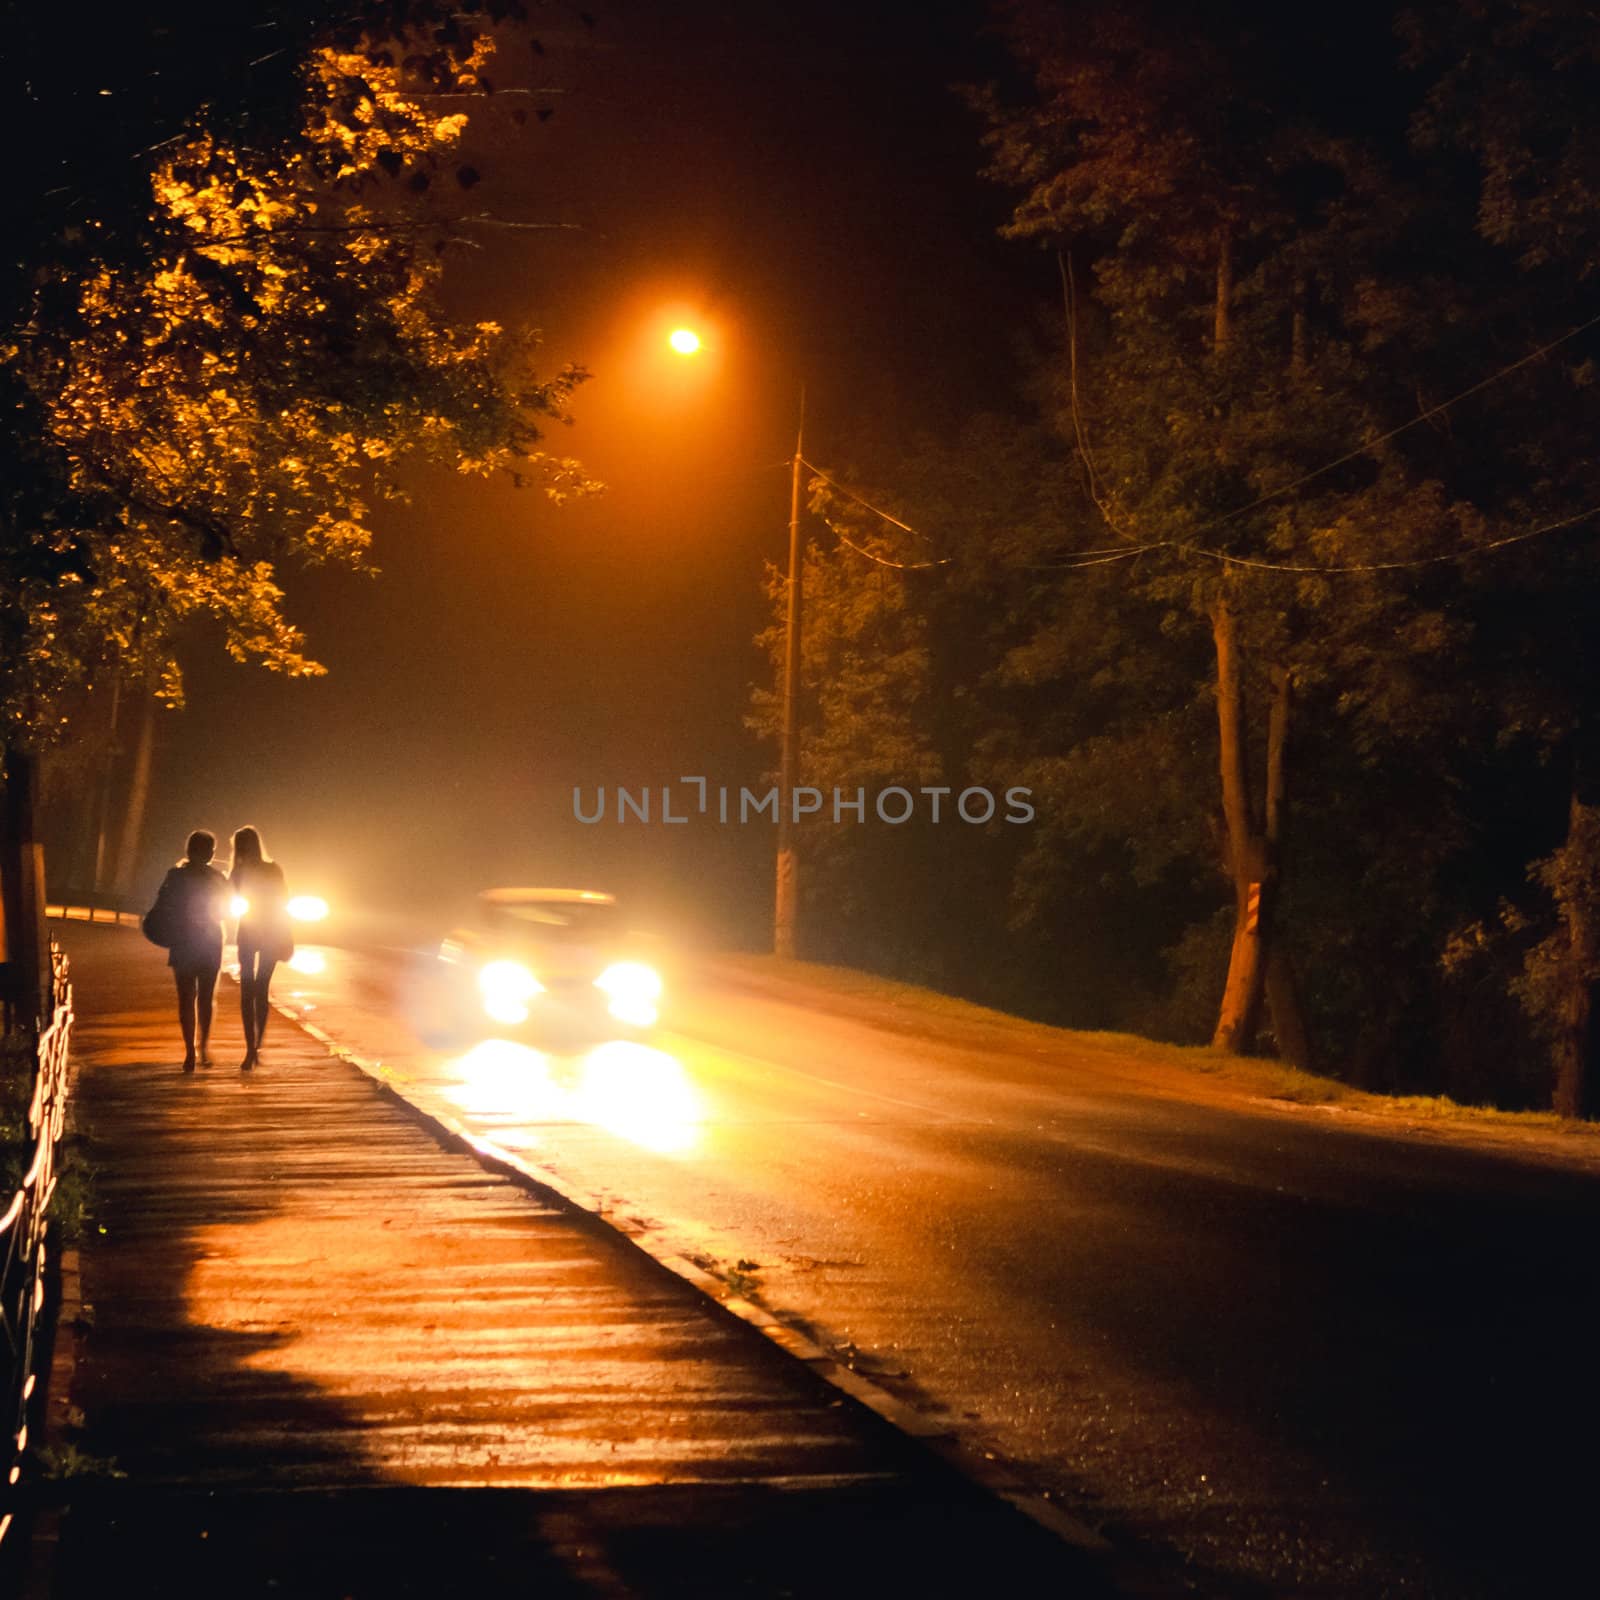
(786, 900)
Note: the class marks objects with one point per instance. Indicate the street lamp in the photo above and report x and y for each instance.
(786, 900)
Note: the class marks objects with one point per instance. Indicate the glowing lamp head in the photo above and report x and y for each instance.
(684, 340)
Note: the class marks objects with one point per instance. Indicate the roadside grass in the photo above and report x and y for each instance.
(1259, 1077)
(16, 1095)
(743, 1278)
(1440, 1108)
(65, 1462)
(72, 1203)
(72, 1206)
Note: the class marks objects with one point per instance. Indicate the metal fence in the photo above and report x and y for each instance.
(22, 1230)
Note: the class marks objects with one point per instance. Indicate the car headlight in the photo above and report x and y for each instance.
(238, 905)
(507, 987)
(631, 990)
(308, 908)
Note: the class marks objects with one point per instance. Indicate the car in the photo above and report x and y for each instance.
(548, 964)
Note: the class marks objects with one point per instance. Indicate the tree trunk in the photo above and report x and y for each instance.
(26, 944)
(102, 810)
(138, 799)
(1241, 996)
(1258, 967)
(1288, 1019)
(1574, 1026)
(1283, 995)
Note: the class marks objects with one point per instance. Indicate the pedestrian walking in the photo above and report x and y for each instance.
(187, 919)
(265, 937)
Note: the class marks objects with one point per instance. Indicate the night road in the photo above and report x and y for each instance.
(1304, 1357)
(1090, 506)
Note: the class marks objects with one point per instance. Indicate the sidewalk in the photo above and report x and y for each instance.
(324, 1354)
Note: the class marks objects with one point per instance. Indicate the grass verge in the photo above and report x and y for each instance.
(909, 1007)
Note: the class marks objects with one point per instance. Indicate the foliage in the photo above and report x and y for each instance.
(1277, 293)
(227, 386)
(890, 657)
(67, 1463)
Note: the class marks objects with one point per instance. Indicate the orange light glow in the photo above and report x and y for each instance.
(685, 341)
(638, 1093)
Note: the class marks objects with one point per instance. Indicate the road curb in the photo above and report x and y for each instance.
(989, 1473)
(44, 1535)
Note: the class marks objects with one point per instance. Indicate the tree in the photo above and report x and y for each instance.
(1511, 87)
(290, 346)
(218, 380)
(1327, 390)
(928, 664)
(1124, 141)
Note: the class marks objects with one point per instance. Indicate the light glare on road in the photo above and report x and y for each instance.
(639, 1093)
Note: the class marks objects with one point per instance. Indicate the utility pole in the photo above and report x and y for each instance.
(787, 904)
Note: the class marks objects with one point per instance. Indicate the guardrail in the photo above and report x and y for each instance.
(89, 913)
(22, 1231)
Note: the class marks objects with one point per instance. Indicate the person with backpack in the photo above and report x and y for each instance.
(187, 919)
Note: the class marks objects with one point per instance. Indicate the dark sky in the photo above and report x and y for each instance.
(801, 182)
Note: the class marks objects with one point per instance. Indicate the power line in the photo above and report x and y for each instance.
(1389, 566)
(1383, 438)
(1099, 558)
(1310, 569)
(1088, 557)
(1328, 466)
(860, 500)
(1110, 555)
(883, 561)
(1081, 558)
(877, 511)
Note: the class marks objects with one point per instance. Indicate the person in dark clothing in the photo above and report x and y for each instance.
(196, 897)
(265, 937)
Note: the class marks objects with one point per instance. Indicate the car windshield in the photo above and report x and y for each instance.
(577, 920)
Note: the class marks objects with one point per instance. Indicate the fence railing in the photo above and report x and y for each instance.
(78, 911)
(22, 1233)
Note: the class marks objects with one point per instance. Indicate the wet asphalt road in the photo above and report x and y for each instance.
(1300, 1357)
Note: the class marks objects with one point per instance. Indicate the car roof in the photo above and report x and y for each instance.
(520, 897)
